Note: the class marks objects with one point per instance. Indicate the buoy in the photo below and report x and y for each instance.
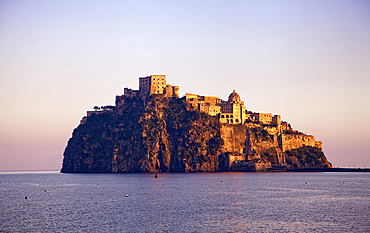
(126, 195)
(25, 197)
(45, 190)
(98, 183)
(156, 176)
(54, 188)
(145, 192)
(221, 181)
(305, 182)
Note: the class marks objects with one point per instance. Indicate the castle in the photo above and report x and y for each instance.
(251, 141)
(151, 85)
(231, 111)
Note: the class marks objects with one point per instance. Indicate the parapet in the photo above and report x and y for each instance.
(276, 119)
(130, 93)
(176, 91)
(171, 91)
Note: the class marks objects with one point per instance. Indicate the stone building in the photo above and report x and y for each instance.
(150, 85)
(97, 111)
(130, 93)
(153, 84)
(265, 118)
(233, 110)
(207, 104)
(156, 84)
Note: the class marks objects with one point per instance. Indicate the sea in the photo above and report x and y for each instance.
(184, 202)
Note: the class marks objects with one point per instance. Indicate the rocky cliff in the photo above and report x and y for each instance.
(286, 148)
(159, 134)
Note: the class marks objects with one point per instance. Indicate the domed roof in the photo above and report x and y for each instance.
(234, 97)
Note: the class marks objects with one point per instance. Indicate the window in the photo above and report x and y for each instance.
(227, 116)
(222, 116)
(231, 120)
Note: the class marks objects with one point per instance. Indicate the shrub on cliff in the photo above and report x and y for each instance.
(259, 134)
(158, 134)
(306, 157)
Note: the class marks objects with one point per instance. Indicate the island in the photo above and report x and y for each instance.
(154, 130)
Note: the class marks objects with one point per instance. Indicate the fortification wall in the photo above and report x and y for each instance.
(295, 141)
(238, 140)
(168, 91)
(211, 99)
(176, 91)
(130, 93)
(233, 158)
(171, 91)
(234, 137)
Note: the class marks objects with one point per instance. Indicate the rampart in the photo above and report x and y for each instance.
(295, 141)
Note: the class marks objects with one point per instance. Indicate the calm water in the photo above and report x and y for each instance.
(206, 202)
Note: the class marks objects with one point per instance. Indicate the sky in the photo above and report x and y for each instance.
(307, 60)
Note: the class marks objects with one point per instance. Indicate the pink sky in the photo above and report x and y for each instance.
(308, 61)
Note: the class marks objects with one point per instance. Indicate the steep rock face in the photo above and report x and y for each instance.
(160, 135)
(290, 149)
(234, 137)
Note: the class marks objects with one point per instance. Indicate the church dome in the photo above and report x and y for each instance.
(234, 97)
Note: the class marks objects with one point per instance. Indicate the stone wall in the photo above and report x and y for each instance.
(210, 109)
(234, 137)
(235, 158)
(238, 140)
(295, 141)
(176, 91)
(276, 119)
(171, 91)
(130, 93)
(153, 84)
(255, 166)
(168, 91)
(265, 118)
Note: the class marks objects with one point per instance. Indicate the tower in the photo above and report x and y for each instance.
(235, 109)
(153, 84)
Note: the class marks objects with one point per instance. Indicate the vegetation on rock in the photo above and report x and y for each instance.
(160, 134)
(306, 157)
